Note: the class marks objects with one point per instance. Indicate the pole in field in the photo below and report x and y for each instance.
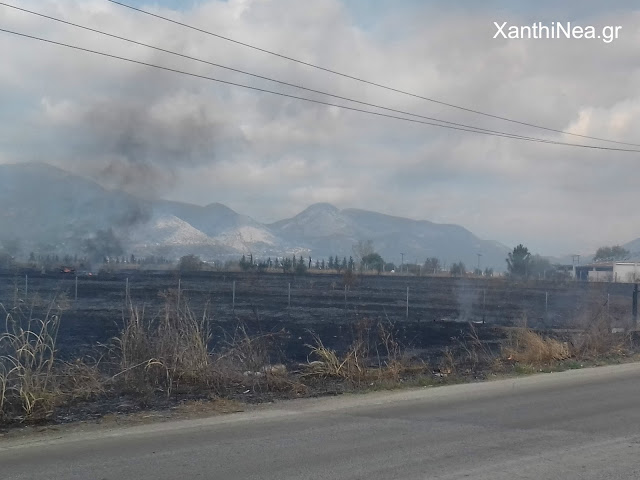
(289, 297)
(126, 287)
(76, 292)
(407, 311)
(546, 302)
(484, 304)
(26, 285)
(233, 295)
(345, 301)
(608, 300)
(179, 291)
(634, 306)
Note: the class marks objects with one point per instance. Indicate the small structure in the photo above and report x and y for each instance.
(621, 272)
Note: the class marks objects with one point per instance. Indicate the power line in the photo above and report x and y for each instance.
(249, 87)
(368, 82)
(264, 77)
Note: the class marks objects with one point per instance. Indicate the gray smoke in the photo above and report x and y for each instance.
(143, 140)
(142, 148)
(466, 296)
(104, 243)
(141, 143)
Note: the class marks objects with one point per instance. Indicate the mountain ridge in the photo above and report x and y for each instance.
(66, 210)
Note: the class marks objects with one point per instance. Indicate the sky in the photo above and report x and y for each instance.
(161, 134)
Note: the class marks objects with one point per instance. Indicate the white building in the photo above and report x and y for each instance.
(621, 272)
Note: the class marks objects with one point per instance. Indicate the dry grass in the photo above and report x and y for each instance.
(164, 353)
(169, 353)
(349, 366)
(475, 353)
(374, 354)
(80, 380)
(597, 338)
(246, 362)
(205, 408)
(28, 386)
(525, 346)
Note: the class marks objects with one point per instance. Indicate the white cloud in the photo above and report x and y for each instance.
(269, 156)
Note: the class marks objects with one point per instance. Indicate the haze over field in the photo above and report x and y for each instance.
(60, 212)
(164, 136)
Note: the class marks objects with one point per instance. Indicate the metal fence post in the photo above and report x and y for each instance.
(634, 308)
(484, 305)
(407, 313)
(546, 302)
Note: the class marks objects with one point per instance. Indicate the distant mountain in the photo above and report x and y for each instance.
(45, 209)
(325, 230)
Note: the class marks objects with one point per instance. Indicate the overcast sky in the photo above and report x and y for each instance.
(172, 136)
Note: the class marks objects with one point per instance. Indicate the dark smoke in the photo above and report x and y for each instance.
(104, 243)
(142, 148)
(134, 211)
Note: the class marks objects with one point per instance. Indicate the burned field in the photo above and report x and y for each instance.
(426, 311)
(77, 347)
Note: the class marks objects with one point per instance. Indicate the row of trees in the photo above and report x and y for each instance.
(522, 264)
(299, 265)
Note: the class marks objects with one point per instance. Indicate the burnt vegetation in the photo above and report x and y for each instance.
(155, 341)
(145, 332)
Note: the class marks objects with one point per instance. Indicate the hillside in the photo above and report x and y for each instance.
(45, 209)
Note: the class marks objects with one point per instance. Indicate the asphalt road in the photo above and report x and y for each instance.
(581, 424)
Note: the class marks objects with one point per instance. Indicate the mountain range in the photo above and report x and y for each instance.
(46, 209)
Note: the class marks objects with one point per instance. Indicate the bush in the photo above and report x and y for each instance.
(28, 386)
(190, 263)
(525, 346)
(164, 353)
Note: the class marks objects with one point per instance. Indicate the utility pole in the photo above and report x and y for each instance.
(402, 262)
(634, 307)
(479, 255)
(573, 260)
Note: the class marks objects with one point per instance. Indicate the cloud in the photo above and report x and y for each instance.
(164, 135)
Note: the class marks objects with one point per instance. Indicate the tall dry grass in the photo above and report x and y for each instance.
(166, 352)
(374, 354)
(28, 386)
(597, 338)
(526, 346)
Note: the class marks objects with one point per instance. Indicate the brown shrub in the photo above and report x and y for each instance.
(28, 386)
(523, 345)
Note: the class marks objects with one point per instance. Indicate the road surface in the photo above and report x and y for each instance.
(581, 424)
